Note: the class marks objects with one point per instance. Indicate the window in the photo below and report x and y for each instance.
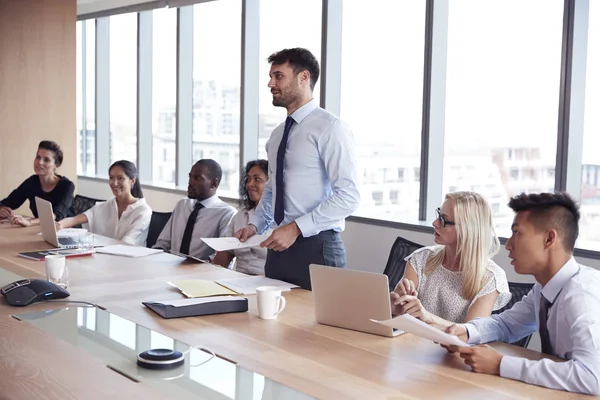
(164, 93)
(86, 102)
(502, 92)
(378, 198)
(385, 113)
(589, 236)
(123, 87)
(216, 86)
(79, 97)
(276, 33)
(394, 199)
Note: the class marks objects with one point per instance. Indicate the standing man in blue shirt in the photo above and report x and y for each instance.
(564, 304)
(312, 176)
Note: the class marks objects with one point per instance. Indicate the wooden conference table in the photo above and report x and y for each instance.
(320, 361)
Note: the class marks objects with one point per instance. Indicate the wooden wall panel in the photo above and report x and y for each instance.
(37, 85)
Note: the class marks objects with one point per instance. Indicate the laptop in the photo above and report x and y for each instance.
(350, 299)
(46, 216)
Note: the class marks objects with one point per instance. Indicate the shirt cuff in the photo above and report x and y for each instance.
(306, 226)
(510, 367)
(472, 333)
(260, 224)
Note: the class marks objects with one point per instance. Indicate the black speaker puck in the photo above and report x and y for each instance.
(160, 359)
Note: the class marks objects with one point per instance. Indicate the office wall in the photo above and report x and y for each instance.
(37, 85)
(368, 246)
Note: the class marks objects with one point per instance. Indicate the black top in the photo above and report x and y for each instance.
(61, 196)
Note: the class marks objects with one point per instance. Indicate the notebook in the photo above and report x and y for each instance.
(195, 307)
(41, 255)
(128, 251)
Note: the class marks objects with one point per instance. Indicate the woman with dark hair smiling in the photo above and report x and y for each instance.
(126, 216)
(45, 184)
(249, 260)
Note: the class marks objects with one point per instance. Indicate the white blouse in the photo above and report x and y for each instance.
(132, 227)
(250, 260)
(441, 290)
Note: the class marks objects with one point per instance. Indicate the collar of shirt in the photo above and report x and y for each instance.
(560, 279)
(208, 203)
(138, 203)
(304, 111)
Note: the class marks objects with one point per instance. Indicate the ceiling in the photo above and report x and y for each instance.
(91, 6)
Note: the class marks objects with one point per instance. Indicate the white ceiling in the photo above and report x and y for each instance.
(90, 6)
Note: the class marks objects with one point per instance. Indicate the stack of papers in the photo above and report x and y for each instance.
(230, 286)
(128, 251)
(410, 324)
(201, 288)
(248, 284)
(231, 243)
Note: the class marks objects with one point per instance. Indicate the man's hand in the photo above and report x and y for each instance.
(460, 331)
(245, 233)
(282, 237)
(18, 220)
(482, 359)
(6, 212)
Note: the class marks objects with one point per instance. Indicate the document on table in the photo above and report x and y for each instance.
(69, 232)
(248, 284)
(231, 243)
(128, 251)
(410, 324)
(201, 288)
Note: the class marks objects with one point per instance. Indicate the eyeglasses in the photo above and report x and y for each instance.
(443, 221)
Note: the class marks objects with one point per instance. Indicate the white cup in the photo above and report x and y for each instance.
(56, 270)
(270, 302)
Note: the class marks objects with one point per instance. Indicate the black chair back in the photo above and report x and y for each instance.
(394, 269)
(157, 223)
(83, 203)
(518, 291)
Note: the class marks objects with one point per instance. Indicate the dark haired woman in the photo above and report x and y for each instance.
(46, 184)
(124, 217)
(249, 260)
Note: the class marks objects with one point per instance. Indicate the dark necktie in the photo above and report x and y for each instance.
(279, 207)
(189, 229)
(543, 328)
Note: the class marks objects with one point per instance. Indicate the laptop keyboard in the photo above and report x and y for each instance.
(67, 241)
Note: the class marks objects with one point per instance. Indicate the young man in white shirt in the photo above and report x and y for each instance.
(202, 214)
(564, 304)
(312, 183)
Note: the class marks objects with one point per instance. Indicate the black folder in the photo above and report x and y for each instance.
(197, 307)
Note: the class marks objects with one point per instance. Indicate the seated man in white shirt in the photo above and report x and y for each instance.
(564, 304)
(202, 214)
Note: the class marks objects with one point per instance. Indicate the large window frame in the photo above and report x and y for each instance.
(570, 108)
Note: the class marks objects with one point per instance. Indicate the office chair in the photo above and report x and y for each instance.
(394, 269)
(83, 203)
(157, 223)
(518, 291)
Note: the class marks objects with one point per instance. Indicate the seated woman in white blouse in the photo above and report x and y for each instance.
(124, 217)
(455, 281)
(249, 260)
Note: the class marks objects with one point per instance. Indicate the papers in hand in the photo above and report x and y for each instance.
(231, 243)
(410, 324)
(127, 251)
(248, 284)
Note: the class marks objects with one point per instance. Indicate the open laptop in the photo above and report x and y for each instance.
(46, 216)
(349, 299)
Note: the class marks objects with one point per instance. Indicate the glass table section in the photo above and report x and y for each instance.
(117, 341)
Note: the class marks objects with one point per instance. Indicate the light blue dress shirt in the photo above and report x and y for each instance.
(573, 325)
(320, 183)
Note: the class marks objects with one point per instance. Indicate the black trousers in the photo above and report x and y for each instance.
(291, 265)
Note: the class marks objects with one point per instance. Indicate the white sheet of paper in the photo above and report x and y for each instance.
(410, 324)
(127, 251)
(71, 232)
(248, 284)
(198, 300)
(231, 243)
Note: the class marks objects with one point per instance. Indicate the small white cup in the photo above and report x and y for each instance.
(56, 270)
(270, 302)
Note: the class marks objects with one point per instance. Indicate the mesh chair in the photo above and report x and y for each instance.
(518, 291)
(83, 203)
(394, 269)
(157, 223)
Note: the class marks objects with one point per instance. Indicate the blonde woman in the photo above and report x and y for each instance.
(456, 280)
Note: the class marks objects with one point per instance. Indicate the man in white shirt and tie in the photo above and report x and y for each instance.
(312, 176)
(202, 214)
(564, 304)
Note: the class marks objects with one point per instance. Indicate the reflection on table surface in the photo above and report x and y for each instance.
(117, 341)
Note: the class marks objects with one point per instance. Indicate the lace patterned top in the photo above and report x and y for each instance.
(441, 290)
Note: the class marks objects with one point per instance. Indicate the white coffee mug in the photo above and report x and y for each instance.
(55, 269)
(270, 302)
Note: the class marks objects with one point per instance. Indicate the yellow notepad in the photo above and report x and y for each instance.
(201, 288)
